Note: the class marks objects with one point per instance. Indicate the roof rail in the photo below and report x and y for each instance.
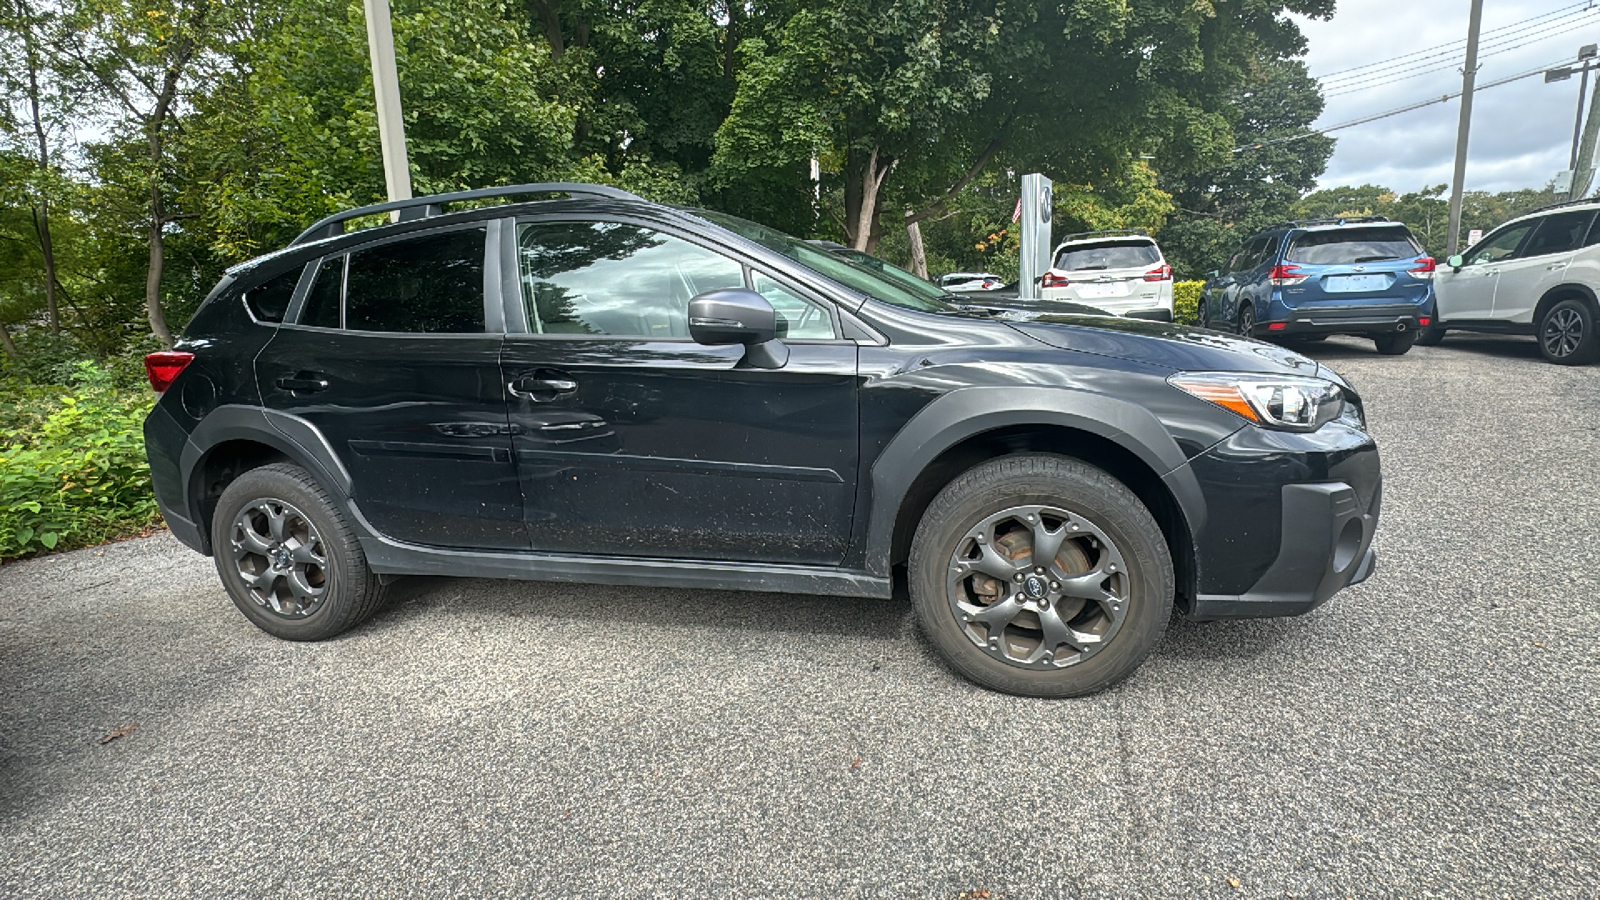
(1561, 205)
(1130, 232)
(425, 207)
(1332, 220)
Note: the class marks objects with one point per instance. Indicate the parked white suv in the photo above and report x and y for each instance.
(1122, 272)
(1537, 275)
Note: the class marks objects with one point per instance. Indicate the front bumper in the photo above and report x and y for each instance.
(1290, 520)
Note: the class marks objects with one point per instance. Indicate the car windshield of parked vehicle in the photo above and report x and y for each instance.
(895, 274)
(1352, 245)
(852, 275)
(1107, 255)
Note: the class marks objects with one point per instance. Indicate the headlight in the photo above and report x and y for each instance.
(1286, 403)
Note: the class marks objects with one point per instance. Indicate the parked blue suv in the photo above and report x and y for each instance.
(1306, 280)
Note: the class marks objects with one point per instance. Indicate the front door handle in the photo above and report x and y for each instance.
(303, 382)
(542, 387)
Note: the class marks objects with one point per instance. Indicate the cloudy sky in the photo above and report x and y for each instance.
(1521, 132)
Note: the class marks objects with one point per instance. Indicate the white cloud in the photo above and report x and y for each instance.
(1521, 132)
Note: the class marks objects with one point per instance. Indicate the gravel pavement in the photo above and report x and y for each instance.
(1431, 733)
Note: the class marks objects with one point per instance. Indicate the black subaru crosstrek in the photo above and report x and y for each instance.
(590, 387)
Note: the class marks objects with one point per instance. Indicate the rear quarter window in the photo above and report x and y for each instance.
(1352, 245)
(269, 300)
(1108, 255)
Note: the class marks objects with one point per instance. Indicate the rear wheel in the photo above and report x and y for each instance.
(1395, 344)
(1567, 334)
(1430, 336)
(1041, 575)
(288, 558)
(1247, 319)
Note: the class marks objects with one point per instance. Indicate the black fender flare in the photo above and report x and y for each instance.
(1549, 299)
(969, 412)
(290, 435)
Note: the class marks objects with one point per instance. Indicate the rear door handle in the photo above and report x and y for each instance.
(303, 382)
(541, 389)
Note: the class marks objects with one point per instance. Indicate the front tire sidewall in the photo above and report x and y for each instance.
(1083, 490)
(346, 572)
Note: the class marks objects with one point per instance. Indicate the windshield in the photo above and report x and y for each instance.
(1108, 255)
(874, 283)
(895, 274)
(1352, 245)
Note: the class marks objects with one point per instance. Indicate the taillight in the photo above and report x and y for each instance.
(1282, 275)
(165, 366)
(1051, 279)
(1162, 272)
(1425, 268)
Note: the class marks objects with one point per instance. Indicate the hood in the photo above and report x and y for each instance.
(1172, 346)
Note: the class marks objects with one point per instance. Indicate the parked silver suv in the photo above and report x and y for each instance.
(1122, 272)
(1538, 275)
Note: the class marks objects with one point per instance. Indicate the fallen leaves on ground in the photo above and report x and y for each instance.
(124, 731)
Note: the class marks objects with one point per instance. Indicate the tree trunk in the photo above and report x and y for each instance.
(919, 256)
(41, 217)
(152, 282)
(549, 20)
(11, 349)
(864, 222)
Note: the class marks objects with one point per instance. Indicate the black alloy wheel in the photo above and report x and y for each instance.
(1247, 320)
(1041, 575)
(288, 558)
(1567, 334)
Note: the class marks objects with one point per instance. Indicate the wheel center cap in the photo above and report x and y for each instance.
(1035, 587)
(280, 558)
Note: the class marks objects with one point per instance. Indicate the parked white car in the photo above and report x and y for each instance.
(971, 281)
(1538, 275)
(1122, 272)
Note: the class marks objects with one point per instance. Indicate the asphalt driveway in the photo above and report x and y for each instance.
(1432, 733)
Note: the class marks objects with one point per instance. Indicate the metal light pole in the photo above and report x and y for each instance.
(1586, 58)
(1468, 77)
(386, 85)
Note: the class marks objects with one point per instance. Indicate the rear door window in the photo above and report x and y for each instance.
(431, 284)
(1353, 245)
(1108, 255)
(1558, 233)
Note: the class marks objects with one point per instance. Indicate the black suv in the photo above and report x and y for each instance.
(590, 387)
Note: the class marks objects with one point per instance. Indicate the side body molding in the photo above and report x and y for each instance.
(968, 412)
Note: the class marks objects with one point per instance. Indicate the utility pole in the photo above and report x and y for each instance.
(386, 85)
(1469, 75)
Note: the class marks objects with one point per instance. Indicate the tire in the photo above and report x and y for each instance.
(1567, 333)
(1247, 320)
(1097, 522)
(1395, 344)
(1430, 336)
(288, 558)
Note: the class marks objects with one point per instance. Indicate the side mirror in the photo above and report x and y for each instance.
(1455, 262)
(738, 316)
(1211, 275)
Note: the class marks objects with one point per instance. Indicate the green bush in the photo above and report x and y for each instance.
(72, 464)
(1186, 302)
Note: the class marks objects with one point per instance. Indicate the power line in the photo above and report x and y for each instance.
(1558, 13)
(1512, 33)
(1358, 87)
(1396, 111)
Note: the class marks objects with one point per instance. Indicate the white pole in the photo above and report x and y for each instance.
(1468, 76)
(386, 85)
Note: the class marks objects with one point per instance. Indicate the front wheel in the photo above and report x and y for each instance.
(1567, 334)
(1041, 575)
(1395, 344)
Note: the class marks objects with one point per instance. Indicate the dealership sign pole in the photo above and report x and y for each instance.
(1034, 211)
